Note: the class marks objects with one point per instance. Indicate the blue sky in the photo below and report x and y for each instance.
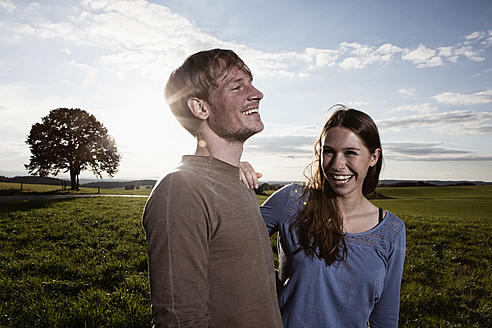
(421, 69)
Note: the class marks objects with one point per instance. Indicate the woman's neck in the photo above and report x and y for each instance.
(358, 213)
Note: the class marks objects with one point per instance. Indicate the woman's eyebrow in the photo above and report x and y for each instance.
(346, 148)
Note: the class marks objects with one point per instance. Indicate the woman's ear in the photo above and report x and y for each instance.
(375, 156)
(198, 108)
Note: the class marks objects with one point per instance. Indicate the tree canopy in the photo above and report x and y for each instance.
(71, 140)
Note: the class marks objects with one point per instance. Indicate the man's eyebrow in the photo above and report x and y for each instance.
(238, 79)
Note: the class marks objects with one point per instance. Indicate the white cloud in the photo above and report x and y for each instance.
(353, 55)
(292, 146)
(136, 35)
(422, 56)
(427, 57)
(468, 52)
(74, 63)
(464, 122)
(429, 151)
(322, 57)
(473, 36)
(421, 108)
(352, 104)
(7, 5)
(359, 56)
(433, 62)
(407, 92)
(352, 63)
(445, 51)
(15, 32)
(389, 49)
(483, 97)
(487, 42)
(482, 37)
(355, 48)
(289, 141)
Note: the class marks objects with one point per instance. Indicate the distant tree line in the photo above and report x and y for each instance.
(35, 180)
(426, 184)
(260, 191)
(265, 186)
(128, 185)
(136, 184)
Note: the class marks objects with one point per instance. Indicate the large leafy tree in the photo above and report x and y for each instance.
(71, 140)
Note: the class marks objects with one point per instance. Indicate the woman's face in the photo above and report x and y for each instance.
(345, 161)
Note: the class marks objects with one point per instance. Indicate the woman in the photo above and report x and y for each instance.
(340, 257)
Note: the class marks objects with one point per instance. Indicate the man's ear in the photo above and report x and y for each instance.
(198, 108)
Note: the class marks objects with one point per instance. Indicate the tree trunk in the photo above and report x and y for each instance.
(73, 178)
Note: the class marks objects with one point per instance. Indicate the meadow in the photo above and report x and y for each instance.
(82, 262)
(447, 275)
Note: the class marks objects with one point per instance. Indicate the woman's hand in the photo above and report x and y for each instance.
(248, 175)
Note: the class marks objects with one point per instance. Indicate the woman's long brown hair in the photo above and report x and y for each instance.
(320, 225)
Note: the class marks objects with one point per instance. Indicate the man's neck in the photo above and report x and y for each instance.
(226, 151)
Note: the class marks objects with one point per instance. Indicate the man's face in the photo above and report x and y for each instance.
(234, 107)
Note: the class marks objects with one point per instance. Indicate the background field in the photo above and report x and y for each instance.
(82, 262)
(447, 276)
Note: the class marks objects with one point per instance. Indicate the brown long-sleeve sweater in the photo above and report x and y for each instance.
(210, 259)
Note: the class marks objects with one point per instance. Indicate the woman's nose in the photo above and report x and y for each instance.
(338, 162)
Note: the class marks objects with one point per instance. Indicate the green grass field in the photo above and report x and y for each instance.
(82, 262)
(73, 263)
(447, 276)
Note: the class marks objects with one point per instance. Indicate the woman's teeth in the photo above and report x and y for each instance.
(341, 178)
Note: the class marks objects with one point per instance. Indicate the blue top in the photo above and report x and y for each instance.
(364, 289)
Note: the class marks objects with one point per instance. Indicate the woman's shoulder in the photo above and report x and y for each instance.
(296, 192)
(383, 236)
(298, 196)
(291, 191)
(390, 228)
(393, 223)
(290, 198)
(293, 186)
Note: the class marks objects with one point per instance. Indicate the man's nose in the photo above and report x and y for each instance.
(255, 94)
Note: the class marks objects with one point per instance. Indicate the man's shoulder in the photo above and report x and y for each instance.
(181, 178)
(177, 189)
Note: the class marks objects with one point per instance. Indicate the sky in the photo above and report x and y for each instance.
(421, 69)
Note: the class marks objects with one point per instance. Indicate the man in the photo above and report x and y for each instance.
(210, 259)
